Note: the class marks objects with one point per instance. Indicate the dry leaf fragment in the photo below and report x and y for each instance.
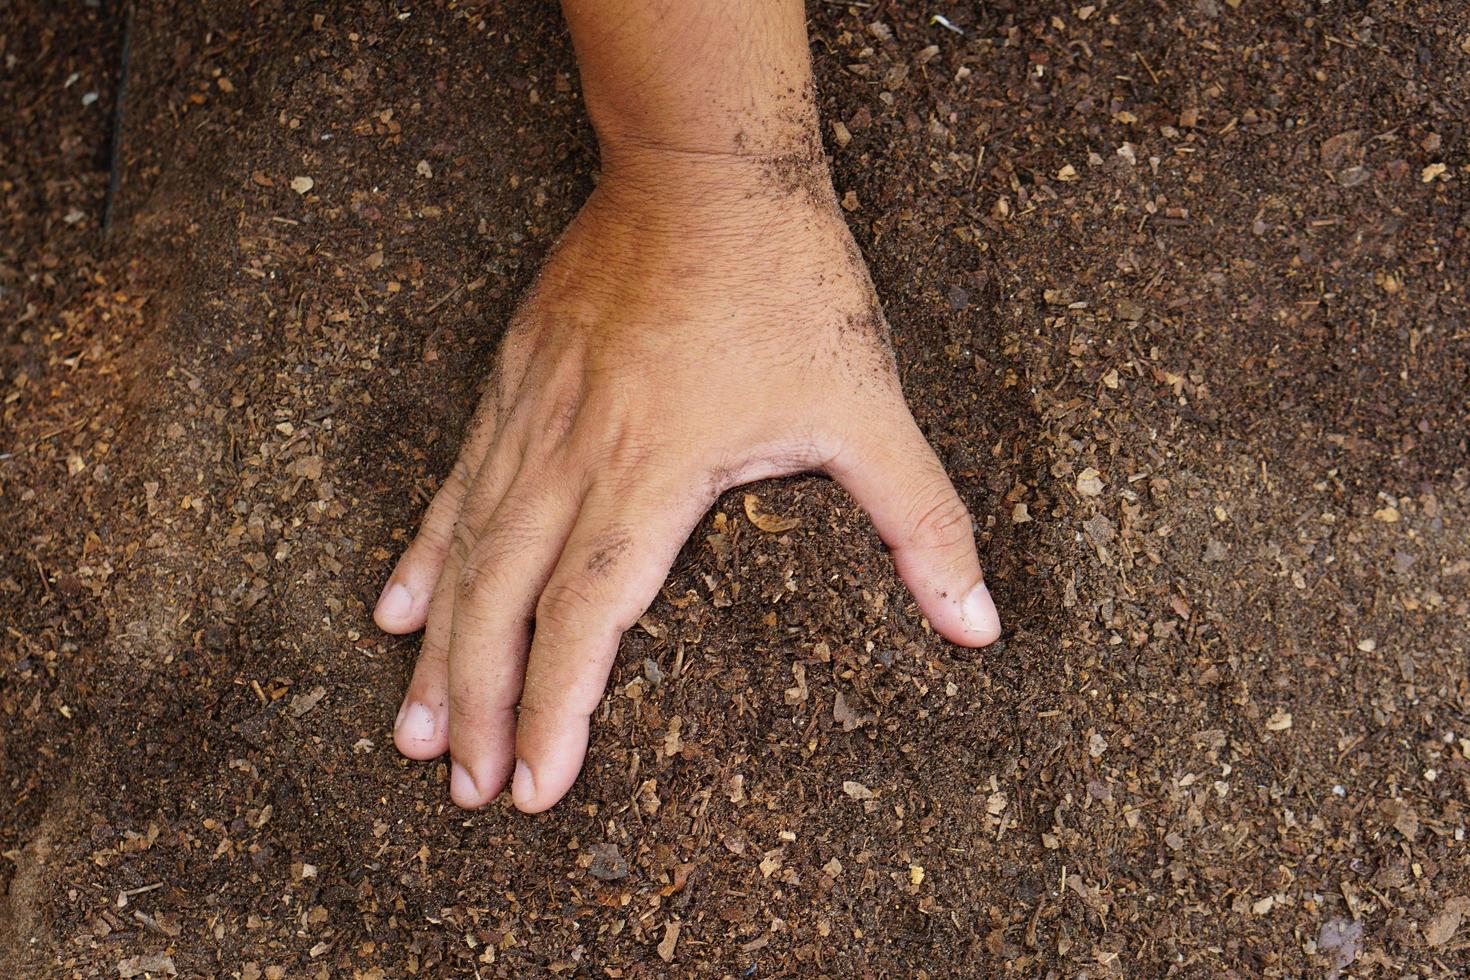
(770, 523)
(843, 714)
(1129, 310)
(1089, 482)
(309, 467)
(673, 741)
(1442, 928)
(648, 800)
(858, 791)
(1402, 816)
(798, 693)
(1342, 940)
(671, 938)
(154, 963)
(1337, 150)
(1088, 894)
(996, 803)
(1279, 722)
(302, 703)
(302, 184)
(607, 863)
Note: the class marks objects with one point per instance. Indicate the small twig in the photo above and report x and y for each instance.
(143, 890)
(1144, 62)
(444, 299)
(122, 897)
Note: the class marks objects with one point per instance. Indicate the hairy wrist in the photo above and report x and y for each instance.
(643, 173)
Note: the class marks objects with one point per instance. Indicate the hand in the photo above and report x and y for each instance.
(706, 321)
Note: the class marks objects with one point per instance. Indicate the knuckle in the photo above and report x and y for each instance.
(432, 665)
(466, 701)
(433, 535)
(564, 605)
(607, 550)
(557, 702)
(477, 579)
(943, 523)
(459, 478)
(539, 696)
(562, 414)
(469, 586)
(461, 543)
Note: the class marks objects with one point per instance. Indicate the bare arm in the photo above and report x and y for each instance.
(701, 76)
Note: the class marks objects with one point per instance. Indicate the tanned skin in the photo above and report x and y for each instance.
(705, 321)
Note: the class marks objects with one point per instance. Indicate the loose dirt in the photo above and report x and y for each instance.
(1179, 294)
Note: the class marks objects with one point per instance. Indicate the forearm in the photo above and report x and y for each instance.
(695, 76)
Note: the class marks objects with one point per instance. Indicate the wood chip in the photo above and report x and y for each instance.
(607, 862)
(1279, 722)
(1442, 928)
(670, 940)
(154, 963)
(302, 703)
(770, 523)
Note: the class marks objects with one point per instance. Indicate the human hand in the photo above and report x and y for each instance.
(705, 321)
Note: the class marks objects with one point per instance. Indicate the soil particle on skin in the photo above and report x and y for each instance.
(1178, 295)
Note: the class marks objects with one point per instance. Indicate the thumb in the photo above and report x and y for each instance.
(893, 474)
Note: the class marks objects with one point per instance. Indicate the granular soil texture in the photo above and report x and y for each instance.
(1179, 294)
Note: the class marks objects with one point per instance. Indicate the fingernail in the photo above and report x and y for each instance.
(415, 722)
(461, 785)
(396, 602)
(523, 787)
(978, 612)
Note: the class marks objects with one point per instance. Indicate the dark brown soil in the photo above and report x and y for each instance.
(1179, 293)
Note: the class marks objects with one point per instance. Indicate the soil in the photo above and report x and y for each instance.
(1179, 294)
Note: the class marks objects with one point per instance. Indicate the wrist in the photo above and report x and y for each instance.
(673, 174)
(659, 202)
(702, 197)
(796, 135)
(699, 76)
